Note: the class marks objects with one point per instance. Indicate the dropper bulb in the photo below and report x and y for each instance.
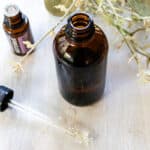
(6, 94)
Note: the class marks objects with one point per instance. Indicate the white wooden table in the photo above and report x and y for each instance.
(120, 121)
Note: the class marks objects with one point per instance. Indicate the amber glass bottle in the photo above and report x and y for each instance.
(16, 26)
(80, 51)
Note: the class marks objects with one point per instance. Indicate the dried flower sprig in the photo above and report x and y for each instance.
(118, 14)
(115, 14)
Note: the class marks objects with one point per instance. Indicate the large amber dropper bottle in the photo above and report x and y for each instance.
(80, 51)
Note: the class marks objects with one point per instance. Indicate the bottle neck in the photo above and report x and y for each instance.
(12, 21)
(80, 27)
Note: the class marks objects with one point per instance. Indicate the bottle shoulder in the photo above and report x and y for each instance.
(81, 53)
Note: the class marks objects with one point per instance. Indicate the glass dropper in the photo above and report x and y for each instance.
(6, 101)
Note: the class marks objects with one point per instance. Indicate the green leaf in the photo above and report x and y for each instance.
(142, 7)
(50, 6)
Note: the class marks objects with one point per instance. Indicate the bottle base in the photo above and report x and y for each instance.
(82, 100)
(19, 54)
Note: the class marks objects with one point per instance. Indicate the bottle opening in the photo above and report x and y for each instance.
(80, 27)
(80, 21)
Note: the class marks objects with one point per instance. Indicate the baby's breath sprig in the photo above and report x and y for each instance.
(118, 14)
(122, 17)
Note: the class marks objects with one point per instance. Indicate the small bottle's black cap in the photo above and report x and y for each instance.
(6, 95)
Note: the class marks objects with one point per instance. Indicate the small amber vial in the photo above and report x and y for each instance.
(16, 26)
(80, 52)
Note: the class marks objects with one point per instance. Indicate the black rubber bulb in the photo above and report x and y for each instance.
(6, 94)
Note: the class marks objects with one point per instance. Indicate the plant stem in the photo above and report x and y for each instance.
(137, 30)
